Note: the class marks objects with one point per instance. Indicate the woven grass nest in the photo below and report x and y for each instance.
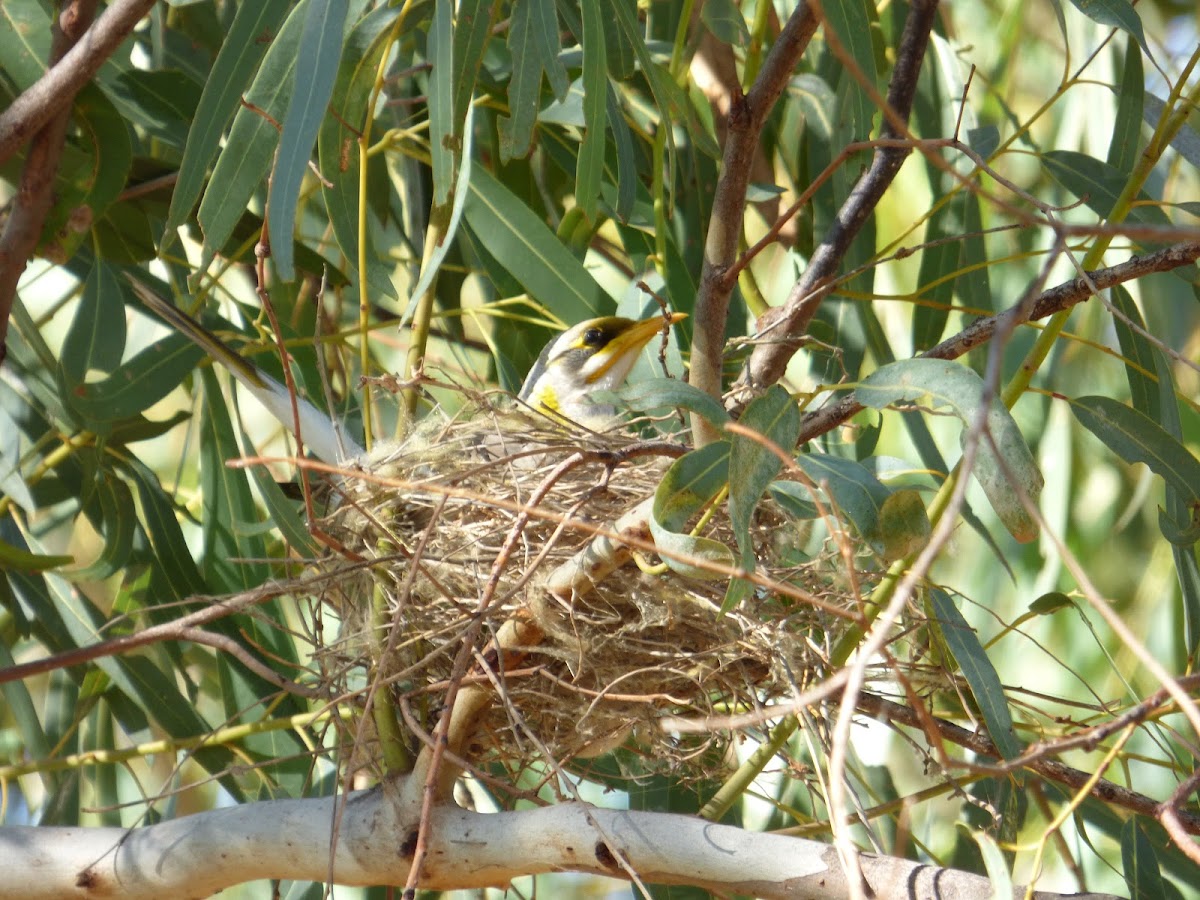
(501, 529)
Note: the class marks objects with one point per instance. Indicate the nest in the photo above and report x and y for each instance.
(497, 530)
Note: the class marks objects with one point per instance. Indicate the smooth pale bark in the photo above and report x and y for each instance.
(196, 856)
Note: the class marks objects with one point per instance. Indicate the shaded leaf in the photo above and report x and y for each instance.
(1117, 13)
(978, 670)
(338, 143)
(1137, 438)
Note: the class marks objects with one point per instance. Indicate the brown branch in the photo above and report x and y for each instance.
(1050, 769)
(183, 628)
(768, 361)
(69, 71)
(747, 116)
(34, 195)
(1054, 300)
(43, 113)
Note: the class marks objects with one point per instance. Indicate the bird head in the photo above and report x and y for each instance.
(592, 356)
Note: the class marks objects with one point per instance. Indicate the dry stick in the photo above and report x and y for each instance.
(768, 361)
(980, 331)
(979, 742)
(747, 116)
(35, 194)
(169, 631)
(1174, 820)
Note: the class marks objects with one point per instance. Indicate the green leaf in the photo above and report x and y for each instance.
(752, 468)
(904, 526)
(96, 339)
(753, 465)
(856, 493)
(1127, 125)
(533, 45)
(221, 98)
(1116, 13)
(725, 21)
(1137, 438)
(472, 28)
(626, 174)
(1186, 141)
(172, 557)
(590, 166)
(1099, 185)
(138, 384)
(317, 68)
(851, 21)
(690, 484)
(163, 102)
(232, 552)
(15, 559)
(440, 101)
(283, 511)
(1050, 603)
(648, 395)
(248, 151)
(337, 142)
(943, 383)
(978, 670)
(1137, 353)
(531, 252)
(118, 526)
(24, 41)
(1139, 863)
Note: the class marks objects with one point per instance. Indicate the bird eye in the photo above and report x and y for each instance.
(593, 337)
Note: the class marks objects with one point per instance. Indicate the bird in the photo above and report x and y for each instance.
(595, 355)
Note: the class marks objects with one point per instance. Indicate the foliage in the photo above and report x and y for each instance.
(344, 191)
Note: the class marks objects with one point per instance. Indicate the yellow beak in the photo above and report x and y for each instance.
(626, 346)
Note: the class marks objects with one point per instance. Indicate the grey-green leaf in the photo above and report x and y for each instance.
(942, 383)
(1137, 438)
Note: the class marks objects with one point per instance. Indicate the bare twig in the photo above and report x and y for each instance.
(1050, 769)
(1058, 298)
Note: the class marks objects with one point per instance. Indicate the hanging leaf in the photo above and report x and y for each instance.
(942, 384)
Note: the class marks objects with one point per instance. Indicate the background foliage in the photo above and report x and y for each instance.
(487, 174)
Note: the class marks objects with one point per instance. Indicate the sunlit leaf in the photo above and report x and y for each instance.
(691, 483)
(949, 384)
(231, 72)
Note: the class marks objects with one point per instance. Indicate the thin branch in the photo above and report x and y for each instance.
(1058, 298)
(768, 361)
(34, 194)
(747, 116)
(1051, 769)
(70, 71)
